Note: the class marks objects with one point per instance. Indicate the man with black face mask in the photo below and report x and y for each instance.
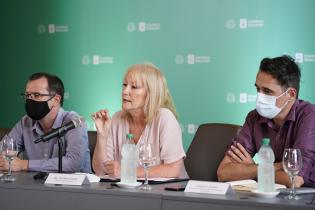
(43, 104)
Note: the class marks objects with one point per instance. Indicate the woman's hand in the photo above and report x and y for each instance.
(112, 168)
(102, 121)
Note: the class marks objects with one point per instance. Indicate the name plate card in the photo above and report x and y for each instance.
(67, 179)
(217, 188)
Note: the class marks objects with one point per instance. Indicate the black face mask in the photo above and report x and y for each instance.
(36, 110)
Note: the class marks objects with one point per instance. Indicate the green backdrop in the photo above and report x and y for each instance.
(209, 51)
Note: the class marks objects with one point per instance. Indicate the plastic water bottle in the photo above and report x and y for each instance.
(266, 171)
(128, 165)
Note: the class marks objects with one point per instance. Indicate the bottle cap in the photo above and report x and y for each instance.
(265, 141)
(129, 136)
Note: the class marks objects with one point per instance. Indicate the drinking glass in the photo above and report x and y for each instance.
(9, 151)
(146, 159)
(292, 164)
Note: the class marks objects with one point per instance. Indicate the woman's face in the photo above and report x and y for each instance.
(133, 95)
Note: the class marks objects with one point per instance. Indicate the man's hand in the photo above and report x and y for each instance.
(238, 154)
(16, 165)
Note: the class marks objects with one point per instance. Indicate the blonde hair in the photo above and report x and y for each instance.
(154, 82)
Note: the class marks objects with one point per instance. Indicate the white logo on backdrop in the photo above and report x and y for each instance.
(85, 59)
(246, 23)
(181, 127)
(243, 23)
(192, 128)
(131, 27)
(41, 28)
(66, 95)
(245, 98)
(301, 57)
(230, 97)
(309, 57)
(192, 59)
(230, 24)
(97, 59)
(52, 28)
(143, 26)
(179, 59)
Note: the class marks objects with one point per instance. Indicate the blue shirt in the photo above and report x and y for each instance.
(44, 155)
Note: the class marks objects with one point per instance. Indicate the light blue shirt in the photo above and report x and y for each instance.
(44, 155)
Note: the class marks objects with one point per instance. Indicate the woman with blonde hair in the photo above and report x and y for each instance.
(148, 112)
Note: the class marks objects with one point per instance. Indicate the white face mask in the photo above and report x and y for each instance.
(266, 105)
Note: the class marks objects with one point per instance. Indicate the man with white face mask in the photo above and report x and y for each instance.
(280, 116)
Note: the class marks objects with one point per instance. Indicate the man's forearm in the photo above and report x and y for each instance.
(283, 178)
(236, 171)
(24, 165)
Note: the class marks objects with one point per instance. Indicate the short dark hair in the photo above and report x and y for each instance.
(55, 84)
(284, 70)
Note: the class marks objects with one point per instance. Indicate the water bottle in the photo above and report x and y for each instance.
(128, 165)
(266, 171)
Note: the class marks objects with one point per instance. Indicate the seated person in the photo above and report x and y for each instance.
(149, 114)
(44, 96)
(280, 116)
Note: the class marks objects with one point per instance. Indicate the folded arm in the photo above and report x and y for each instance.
(238, 164)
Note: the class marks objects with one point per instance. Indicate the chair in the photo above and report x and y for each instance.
(92, 142)
(208, 149)
(4, 131)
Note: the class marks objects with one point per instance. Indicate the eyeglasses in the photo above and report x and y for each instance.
(36, 96)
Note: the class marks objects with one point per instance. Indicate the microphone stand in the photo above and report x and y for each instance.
(60, 144)
(43, 175)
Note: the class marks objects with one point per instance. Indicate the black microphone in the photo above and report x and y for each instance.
(61, 131)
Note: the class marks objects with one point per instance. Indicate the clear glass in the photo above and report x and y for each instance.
(292, 164)
(146, 159)
(9, 151)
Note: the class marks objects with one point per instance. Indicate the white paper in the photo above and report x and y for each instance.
(217, 188)
(91, 177)
(249, 185)
(67, 179)
(242, 182)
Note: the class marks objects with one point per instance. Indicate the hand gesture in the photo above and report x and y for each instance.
(102, 121)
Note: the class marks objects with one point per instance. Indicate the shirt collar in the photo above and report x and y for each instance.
(58, 122)
(291, 115)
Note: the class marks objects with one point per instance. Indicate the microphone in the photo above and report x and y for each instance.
(61, 131)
